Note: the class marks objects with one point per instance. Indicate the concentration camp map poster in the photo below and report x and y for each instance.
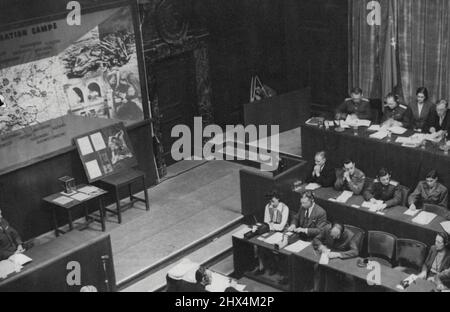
(53, 69)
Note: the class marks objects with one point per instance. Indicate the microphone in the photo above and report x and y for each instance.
(105, 258)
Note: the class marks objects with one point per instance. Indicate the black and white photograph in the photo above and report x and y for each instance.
(223, 154)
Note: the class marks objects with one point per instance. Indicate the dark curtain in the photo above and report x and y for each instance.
(421, 34)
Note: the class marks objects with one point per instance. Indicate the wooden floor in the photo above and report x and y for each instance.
(195, 199)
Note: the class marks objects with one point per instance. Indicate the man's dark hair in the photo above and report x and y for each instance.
(432, 175)
(199, 274)
(274, 194)
(356, 90)
(424, 91)
(383, 172)
(348, 161)
(309, 195)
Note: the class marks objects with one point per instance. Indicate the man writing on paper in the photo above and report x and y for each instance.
(310, 219)
(321, 173)
(439, 119)
(385, 190)
(338, 243)
(429, 192)
(350, 178)
(394, 112)
(10, 241)
(357, 107)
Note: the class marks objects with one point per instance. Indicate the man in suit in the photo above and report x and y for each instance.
(439, 119)
(321, 173)
(350, 178)
(339, 243)
(356, 106)
(384, 189)
(310, 219)
(10, 241)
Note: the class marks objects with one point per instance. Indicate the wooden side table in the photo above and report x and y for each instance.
(60, 201)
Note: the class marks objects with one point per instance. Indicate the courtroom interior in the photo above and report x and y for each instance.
(252, 146)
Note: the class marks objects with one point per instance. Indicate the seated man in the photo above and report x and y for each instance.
(438, 120)
(321, 173)
(339, 243)
(394, 112)
(350, 178)
(276, 216)
(310, 219)
(10, 241)
(429, 192)
(356, 106)
(384, 189)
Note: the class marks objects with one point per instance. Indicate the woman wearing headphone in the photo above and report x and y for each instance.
(394, 112)
(437, 265)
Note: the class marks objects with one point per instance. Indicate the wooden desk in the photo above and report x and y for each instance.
(48, 271)
(69, 207)
(301, 267)
(408, 165)
(392, 221)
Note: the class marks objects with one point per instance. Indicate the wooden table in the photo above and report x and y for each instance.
(301, 267)
(69, 207)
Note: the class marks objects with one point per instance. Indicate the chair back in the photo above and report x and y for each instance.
(440, 211)
(359, 235)
(381, 244)
(410, 253)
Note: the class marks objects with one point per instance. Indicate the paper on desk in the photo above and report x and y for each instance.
(411, 212)
(62, 200)
(344, 197)
(297, 246)
(424, 218)
(183, 270)
(274, 238)
(312, 187)
(446, 226)
(218, 283)
(6, 268)
(89, 189)
(373, 207)
(379, 135)
(80, 196)
(20, 259)
(364, 122)
(240, 233)
(397, 130)
(374, 128)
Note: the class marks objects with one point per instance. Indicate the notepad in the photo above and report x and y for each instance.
(424, 218)
(374, 128)
(344, 197)
(446, 226)
(379, 135)
(62, 200)
(20, 259)
(411, 212)
(312, 187)
(297, 246)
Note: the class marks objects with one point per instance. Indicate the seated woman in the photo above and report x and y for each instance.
(417, 113)
(438, 260)
(385, 190)
(429, 192)
(276, 216)
(394, 112)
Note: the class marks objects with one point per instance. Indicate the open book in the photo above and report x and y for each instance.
(13, 264)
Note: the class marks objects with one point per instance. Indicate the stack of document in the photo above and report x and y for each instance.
(379, 135)
(344, 197)
(275, 238)
(13, 264)
(411, 212)
(397, 130)
(374, 128)
(364, 123)
(424, 218)
(312, 187)
(220, 282)
(373, 207)
(297, 246)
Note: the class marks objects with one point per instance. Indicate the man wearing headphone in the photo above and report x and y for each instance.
(10, 241)
(385, 190)
(394, 112)
(310, 219)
